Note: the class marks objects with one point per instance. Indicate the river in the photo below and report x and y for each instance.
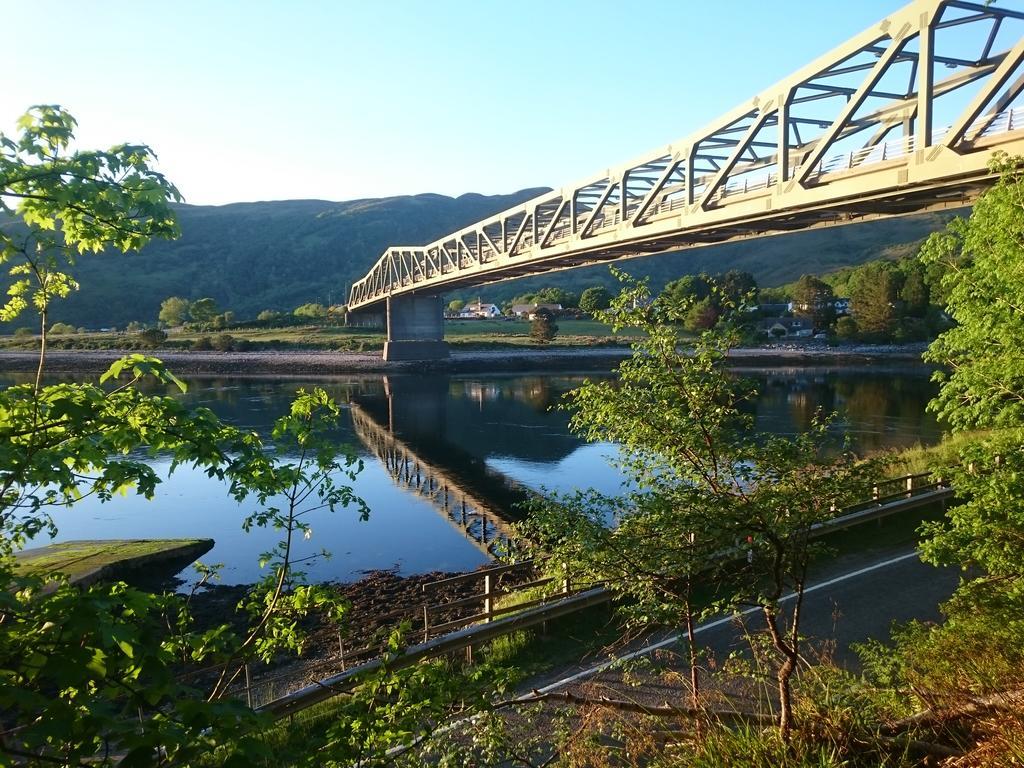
(447, 458)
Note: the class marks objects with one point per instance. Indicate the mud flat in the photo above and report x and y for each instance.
(313, 363)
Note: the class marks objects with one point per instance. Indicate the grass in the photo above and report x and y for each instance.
(84, 559)
(920, 459)
(462, 334)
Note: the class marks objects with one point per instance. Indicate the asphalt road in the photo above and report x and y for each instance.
(850, 599)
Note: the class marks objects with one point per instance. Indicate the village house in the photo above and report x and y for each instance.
(785, 327)
(477, 310)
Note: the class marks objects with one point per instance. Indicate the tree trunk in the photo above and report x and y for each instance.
(786, 697)
(789, 655)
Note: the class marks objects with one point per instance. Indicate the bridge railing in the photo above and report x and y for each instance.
(392, 272)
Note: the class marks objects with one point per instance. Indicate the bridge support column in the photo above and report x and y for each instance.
(415, 328)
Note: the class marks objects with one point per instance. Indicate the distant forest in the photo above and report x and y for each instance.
(278, 255)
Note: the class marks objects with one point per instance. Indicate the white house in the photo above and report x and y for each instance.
(477, 309)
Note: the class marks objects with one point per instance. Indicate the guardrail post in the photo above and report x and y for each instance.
(248, 686)
(910, 486)
(426, 614)
(875, 495)
(488, 606)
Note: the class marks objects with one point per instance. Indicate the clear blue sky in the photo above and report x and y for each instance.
(342, 99)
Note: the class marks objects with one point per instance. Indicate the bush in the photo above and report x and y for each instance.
(151, 338)
(223, 342)
(202, 344)
(543, 328)
(269, 316)
(62, 329)
(911, 329)
(312, 311)
(240, 345)
(846, 328)
(24, 333)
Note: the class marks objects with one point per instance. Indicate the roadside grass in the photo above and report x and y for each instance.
(920, 459)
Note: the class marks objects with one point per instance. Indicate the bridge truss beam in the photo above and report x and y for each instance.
(849, 137)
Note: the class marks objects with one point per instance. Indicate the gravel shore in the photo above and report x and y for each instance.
(316, 363)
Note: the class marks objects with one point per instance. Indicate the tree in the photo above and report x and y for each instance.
(202, 311)
(62, 329)
(91, 673)
(702, 315)
(555, 295)
(595, 299)
(737, 286)
(311, 311)
(455, 306)
(174, 311)
(814, 298)
(705, 480)
(688, 288)
(70, 202)
(543, 328)
(915, 295)
(982, 381)
(874, 290)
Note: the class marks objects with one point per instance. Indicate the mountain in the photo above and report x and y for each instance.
(277, 255)
(265, 255)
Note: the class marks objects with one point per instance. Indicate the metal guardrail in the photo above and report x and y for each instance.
(492, 621)
(455, 641)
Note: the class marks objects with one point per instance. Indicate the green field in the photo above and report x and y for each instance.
(462, 334)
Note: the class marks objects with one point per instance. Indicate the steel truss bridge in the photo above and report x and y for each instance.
(485, 526)
(903, 118)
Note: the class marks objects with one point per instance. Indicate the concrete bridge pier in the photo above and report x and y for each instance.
(415, 325)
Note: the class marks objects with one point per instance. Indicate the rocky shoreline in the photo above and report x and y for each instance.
(316, 363)
(380, 602)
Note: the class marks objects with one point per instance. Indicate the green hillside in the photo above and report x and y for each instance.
(266, 255)
(278, 255)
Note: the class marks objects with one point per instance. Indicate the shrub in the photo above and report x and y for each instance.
(543, 328)
(24, 333)
(313, 311)
(240, 345)
(202, 344)
(846, 328)
(223, 342)
(151, 338)
(61, 329)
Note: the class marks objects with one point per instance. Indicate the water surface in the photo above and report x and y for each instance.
(446, 459)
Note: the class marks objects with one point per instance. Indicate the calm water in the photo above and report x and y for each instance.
(447, 458)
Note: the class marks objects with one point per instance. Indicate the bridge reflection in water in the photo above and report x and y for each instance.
(406, 431)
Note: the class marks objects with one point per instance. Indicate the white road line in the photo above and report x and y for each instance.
(598, 669)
